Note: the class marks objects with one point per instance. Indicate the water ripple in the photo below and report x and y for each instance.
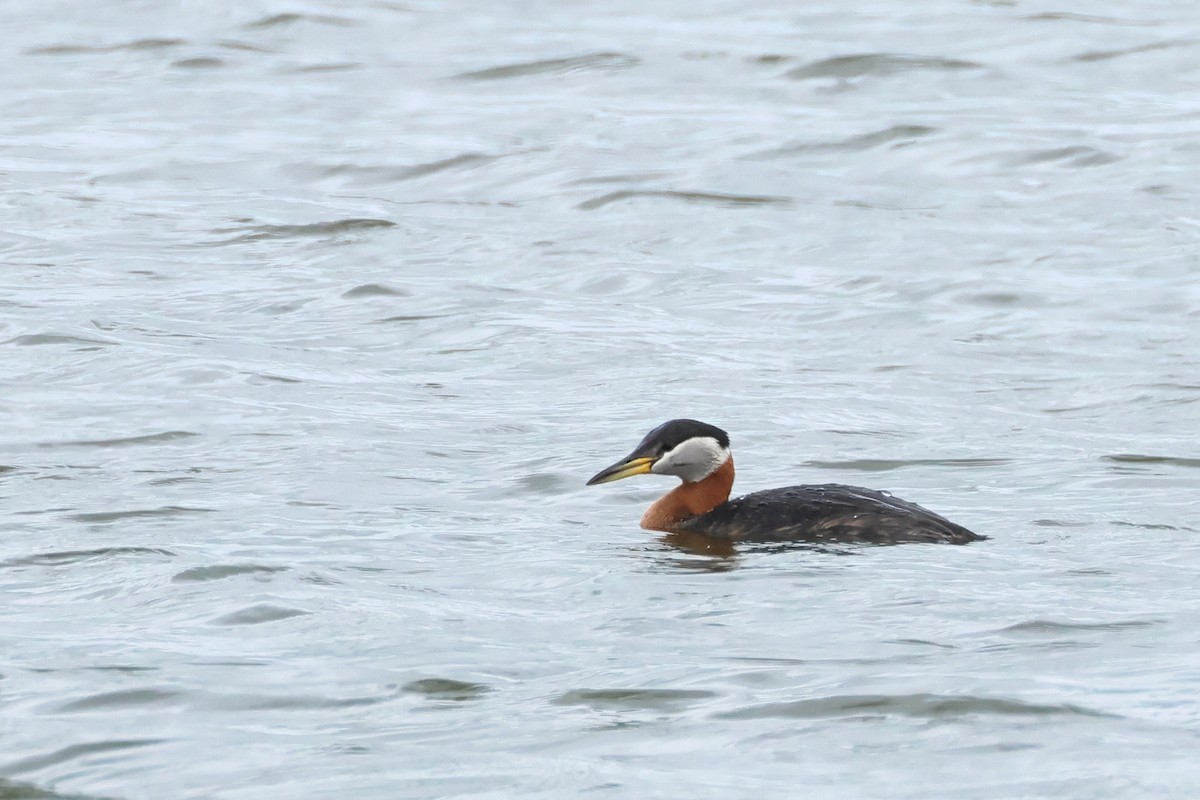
(1069, 16)
(896, 135)
(1071, 156)
(53, 338)
(218, 572)
(1137, 458)
(122, 699)
(258, 614)
(447, 689)
(931, 706)
(885, 465)
(877, 65)
(127, 441)
(135, 45)
(380, 174)
(727, 200)
(293, 18)
(74, 556)
(1042, 627)
(1107, 55)
(13, 790)
(200, 62)
(138, 513)
(634, 699)
(553, 66)
(374, 290)
(254, 233)
(74, 752)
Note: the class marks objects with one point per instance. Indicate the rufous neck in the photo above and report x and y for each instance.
(690, 499)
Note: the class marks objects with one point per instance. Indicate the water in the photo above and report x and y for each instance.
(315, 317)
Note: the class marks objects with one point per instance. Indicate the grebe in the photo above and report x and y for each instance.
(698, 453)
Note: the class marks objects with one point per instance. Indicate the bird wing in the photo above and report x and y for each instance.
(826, 513)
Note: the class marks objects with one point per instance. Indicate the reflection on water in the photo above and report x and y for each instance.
(721, 555)
(314, 318)
(917, 705)
(718, 549)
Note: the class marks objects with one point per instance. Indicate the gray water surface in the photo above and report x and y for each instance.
(315, 317)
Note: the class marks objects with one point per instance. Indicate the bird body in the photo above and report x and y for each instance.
(699, 455)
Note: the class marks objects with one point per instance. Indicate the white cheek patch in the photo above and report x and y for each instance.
(693, 460)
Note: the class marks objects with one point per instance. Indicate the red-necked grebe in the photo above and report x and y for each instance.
(698, 454)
